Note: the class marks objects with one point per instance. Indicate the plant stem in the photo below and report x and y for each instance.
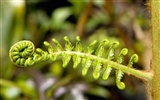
(155, 28)
(146, 76)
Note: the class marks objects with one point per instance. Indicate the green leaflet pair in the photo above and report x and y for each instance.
(23, 53)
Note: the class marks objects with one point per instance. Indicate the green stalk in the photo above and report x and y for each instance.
(155, 28)
(146, 76)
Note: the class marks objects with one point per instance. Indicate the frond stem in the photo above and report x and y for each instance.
(144, 75)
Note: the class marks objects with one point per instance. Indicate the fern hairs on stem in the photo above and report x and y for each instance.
(23, 53)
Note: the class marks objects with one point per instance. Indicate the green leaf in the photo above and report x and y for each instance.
(50, 48)
(78, 48)
(100, 49)
(106, 71)
(121, 55)
(90, 48)
(76, 60)
(78, 44)
(86, 63)
(110, 53)
(68, 45)
(96, 69)
(134, 58)
(36, 57)
(28, 62)
(53, 57)
(65, 58)
(44, 55)
(119, 75)
(59, 47)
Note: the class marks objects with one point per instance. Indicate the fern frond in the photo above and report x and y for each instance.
(78, 48)
(110, 55)
(50, 49)
(96, 68)
(59, 47)
(23, 53)
(86, 61)
(133, 59)
(100, 49)
(119, 73)
(107, 70)
(68, 45)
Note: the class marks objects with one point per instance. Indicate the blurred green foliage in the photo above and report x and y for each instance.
(39, 20)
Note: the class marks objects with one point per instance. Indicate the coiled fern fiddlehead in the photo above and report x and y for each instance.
(23, 53)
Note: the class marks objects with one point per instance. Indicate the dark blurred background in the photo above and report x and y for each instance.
(126, 21)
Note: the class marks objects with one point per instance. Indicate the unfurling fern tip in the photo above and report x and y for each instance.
(23, 53)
